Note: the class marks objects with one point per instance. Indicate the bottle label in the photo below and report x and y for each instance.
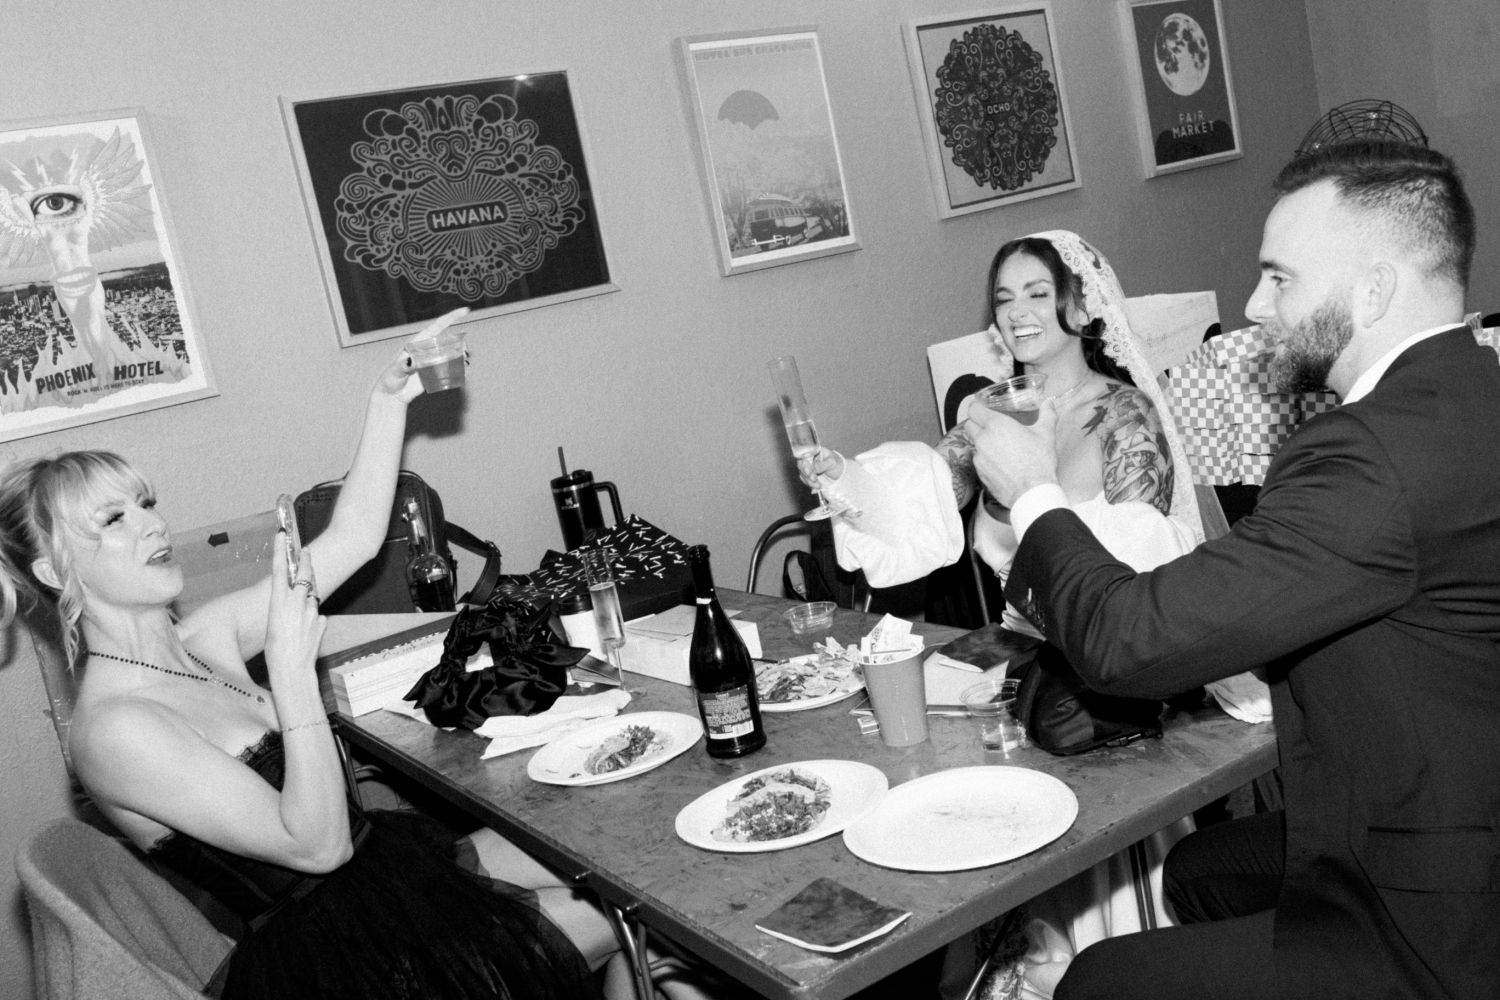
(726, 714)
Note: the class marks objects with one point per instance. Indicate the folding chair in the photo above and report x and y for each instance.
(104, 926)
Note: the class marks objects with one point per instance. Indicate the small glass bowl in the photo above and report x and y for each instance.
(814, 617)
(991, 696)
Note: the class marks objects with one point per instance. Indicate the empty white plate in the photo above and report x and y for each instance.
(967, 817)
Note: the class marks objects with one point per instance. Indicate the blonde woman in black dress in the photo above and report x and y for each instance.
(239, 786)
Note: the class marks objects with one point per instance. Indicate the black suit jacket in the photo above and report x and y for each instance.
(1368, 580)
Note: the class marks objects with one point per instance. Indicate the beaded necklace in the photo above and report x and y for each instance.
(212, 677)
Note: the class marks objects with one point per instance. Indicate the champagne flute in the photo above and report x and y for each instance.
(608, 621)
(800, 431)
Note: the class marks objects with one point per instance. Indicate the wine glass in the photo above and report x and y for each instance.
(799, 425)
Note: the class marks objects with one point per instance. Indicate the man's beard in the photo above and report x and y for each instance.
(1306, 352)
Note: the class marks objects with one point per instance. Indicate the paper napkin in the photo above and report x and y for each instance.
(509, 733)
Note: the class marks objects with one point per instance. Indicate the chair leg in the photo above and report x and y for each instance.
(348, 762)
(1145, 899)
(984, 967)
(974, 561)
(631, 934)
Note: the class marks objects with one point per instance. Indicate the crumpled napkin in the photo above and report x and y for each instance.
(1244, 696)
(509, 733)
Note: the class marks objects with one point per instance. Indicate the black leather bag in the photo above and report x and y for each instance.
(1064, 717)
(379, 586)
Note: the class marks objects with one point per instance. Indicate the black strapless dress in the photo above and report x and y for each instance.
(403, 919)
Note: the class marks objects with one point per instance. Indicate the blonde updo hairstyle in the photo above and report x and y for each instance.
(41, 500)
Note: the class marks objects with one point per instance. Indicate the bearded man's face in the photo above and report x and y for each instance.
(1306, 351)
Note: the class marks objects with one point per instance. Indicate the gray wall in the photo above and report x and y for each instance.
(660, 387)
(1437, 59)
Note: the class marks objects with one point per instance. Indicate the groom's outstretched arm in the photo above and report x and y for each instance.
(1329, 546)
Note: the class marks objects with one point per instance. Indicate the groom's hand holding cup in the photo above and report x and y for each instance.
(1010, 457)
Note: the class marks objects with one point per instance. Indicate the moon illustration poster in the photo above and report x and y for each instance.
(766, 131)
(1185, 83)
(469, 194)
(93, 319)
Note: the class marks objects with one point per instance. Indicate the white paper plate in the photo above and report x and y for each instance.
(854, 789)
(562, 762)
(968, 817)
(849, 683)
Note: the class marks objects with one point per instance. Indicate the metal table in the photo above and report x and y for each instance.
(618, 839)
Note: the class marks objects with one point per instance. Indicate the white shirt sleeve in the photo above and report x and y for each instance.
(908, 524)
(1033, 504)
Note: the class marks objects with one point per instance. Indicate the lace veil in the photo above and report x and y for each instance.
(1103, 299)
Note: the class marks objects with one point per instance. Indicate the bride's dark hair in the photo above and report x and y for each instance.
(41, 499)
(1069, 294)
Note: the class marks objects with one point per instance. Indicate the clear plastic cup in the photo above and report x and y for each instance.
(992, 701)
(439, 359)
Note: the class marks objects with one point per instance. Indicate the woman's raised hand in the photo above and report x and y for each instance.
(823, 462)
(294, 628)
(397, 379)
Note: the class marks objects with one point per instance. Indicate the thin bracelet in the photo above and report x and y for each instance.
(304, 725)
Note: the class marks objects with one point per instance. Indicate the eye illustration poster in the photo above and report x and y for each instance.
(93, 317)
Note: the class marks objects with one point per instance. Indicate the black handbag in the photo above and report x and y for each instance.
(379, 586)
(1064, 717)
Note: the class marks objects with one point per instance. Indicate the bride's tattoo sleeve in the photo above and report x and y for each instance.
(1137, 459)
(959, 454)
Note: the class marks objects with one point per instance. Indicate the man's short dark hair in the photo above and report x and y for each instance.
(1414, 191)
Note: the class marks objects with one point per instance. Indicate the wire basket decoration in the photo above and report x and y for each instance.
(1362, 121)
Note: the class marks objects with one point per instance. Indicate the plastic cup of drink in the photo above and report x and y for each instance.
(992, 701)
(898, 696)
(1019, 398)
(439, 359)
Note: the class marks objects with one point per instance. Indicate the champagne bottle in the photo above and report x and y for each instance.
(428, 575)
(722, 672)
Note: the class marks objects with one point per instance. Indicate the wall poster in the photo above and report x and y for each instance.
(94, 321)
(1181, 87)
(771, 164)
(464, 194)
(993, 108)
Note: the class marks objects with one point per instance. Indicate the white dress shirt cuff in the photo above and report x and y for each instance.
(1033, 504)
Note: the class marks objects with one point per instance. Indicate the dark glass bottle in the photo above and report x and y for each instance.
(722, 672)
(428, 575)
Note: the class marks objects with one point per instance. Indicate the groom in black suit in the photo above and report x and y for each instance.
(1366, 582)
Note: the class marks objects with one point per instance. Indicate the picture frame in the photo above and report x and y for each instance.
(1181, 87)
(772, 171)
(95, 317)
(993, 107)
(422, 199)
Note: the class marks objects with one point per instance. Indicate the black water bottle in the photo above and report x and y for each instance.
(722, 672)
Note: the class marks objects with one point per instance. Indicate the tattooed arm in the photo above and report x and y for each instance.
(958, 452)
(1137, 459)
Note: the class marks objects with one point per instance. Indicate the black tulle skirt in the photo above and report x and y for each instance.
(404, 920)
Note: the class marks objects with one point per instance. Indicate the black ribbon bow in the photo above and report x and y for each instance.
(530, 671)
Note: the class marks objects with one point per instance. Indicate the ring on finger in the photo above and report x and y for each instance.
(308, 584)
